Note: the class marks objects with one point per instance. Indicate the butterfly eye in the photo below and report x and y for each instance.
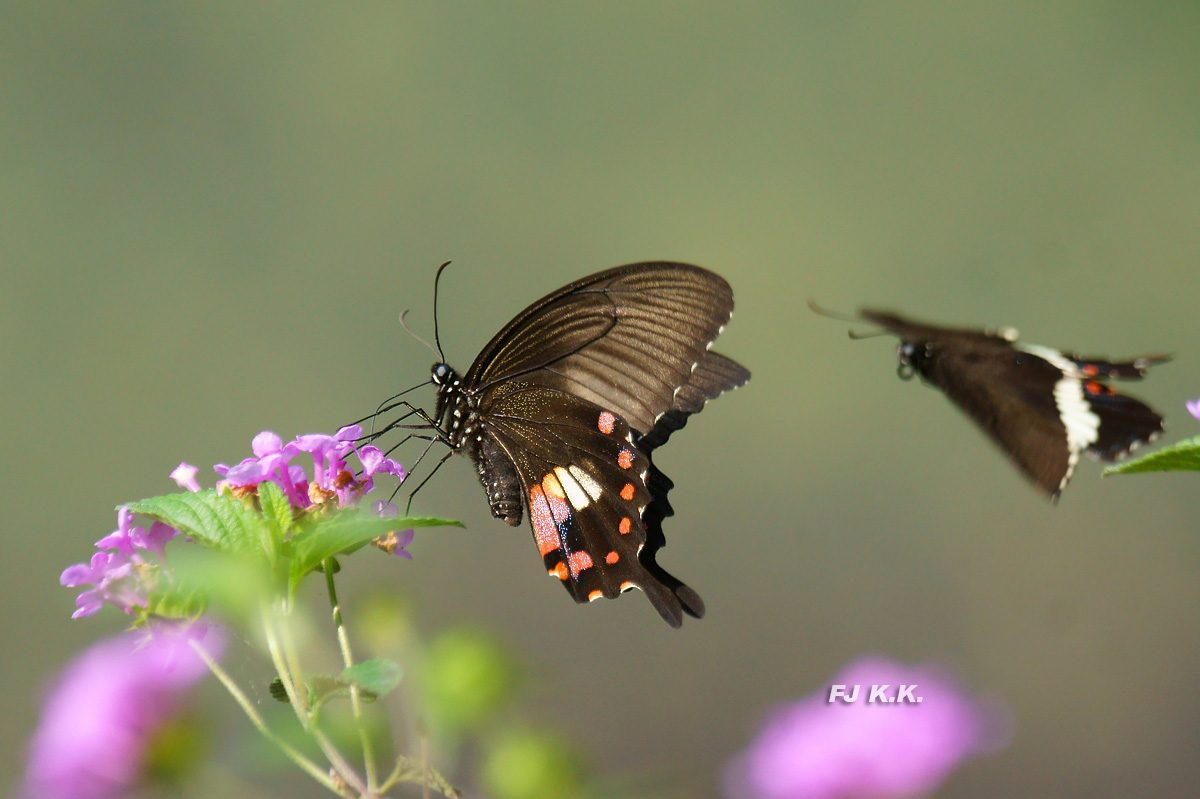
(440, 372)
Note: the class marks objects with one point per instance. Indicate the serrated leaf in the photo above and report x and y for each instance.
(277, 691)
(376, 676)
(218, 521)
(278, 513)
(1181, 457)
(345, 533)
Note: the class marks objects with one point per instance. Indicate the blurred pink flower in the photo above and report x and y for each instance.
(900, 747)
(101, 716)
(1193, 407)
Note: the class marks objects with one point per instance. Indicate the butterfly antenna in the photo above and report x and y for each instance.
(410, 332)
(841, 317)
(436, 280)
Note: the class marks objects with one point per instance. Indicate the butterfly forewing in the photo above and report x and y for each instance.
(1011, 397)
(624, 339)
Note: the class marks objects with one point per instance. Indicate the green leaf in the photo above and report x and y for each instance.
(423, 521)
(234, 585)
(1181, 457)
(278, 513)
(216, 520)
(377, 676)
(277, 691)
(343, 533)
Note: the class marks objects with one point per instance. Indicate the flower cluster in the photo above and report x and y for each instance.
(331, 479)
(99, 721)
(823, 749)
(130, 559)
(121, 572)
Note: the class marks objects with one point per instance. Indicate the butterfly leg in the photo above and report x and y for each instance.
(421, 484)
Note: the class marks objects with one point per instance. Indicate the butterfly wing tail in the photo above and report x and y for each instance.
(678, 596)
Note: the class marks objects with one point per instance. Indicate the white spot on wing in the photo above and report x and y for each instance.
(575, 493)
(1081, 422)
(592, 488)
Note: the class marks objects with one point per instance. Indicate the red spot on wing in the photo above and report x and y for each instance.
(625, 459)
(627, 492)
(607, 420)
(611, 558)
(1092, 387)
(544, 512)
(561, 571)
(1091, 369)
(578, 561)
(625, 525)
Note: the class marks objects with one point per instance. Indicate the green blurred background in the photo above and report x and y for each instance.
(213, 213)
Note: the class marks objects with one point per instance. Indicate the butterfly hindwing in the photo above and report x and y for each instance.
(585, 483)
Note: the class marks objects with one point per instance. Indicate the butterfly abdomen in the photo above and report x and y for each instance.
(500, 480)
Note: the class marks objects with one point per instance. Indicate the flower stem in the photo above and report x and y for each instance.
(248, 708)
(287, 663)
(406, 770)
(355, 697)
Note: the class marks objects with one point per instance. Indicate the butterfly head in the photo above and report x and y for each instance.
(449, 389)
(915, 358)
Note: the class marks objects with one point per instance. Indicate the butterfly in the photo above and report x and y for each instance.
(563, 409)
(1041, 406)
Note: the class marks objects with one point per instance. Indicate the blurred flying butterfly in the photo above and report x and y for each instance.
(562, 409)
(1041, 406)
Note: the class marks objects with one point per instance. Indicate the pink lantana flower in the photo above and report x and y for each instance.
(897, 748)
(101, 717)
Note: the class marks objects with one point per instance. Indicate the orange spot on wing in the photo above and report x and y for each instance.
(1092, 387)
(625, 525)
(611, 558)
(545, 531)
(627, 585)
(578, 562)
(607, 420)
(552, 487)
(625, 459)
(561, 571)
(627, 492)
(592, 597)
(1091, 369)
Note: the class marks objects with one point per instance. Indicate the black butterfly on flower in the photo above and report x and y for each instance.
(563, 408)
